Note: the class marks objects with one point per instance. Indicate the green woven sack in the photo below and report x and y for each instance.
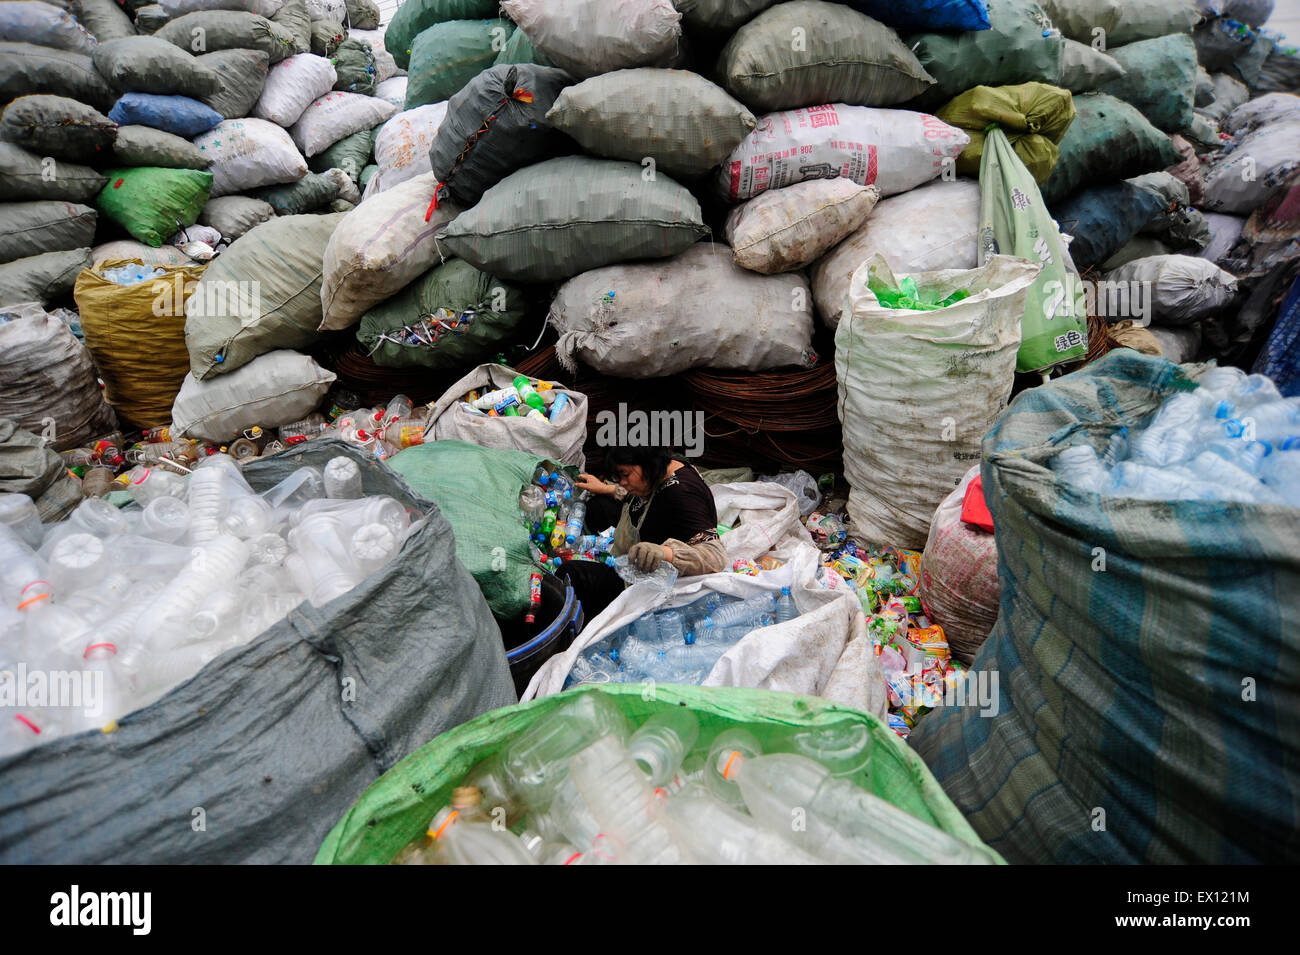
(452, 317)
(1034, 117)
(446, 56)
(398, 806)
(1013, 50)
(351, 154)
(326, 35)
(354, 65)
(1161, 79)
(227, 326)
(1109, 140)
(548, 222)
(1120, 21)
(415, 16)
(477, 489)
(845, 57)
(228, 30)
(302, 195)
(519, 49)
(153, 203)
(146, 146)
(681, 120)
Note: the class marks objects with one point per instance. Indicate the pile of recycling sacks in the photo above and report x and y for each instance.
(220, 219)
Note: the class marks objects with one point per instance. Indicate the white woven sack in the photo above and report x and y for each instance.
(937, 378)
(336, 115)
(933, 227)
(247, 153)
(292, 85)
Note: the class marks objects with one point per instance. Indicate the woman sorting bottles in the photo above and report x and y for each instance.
(667, 515)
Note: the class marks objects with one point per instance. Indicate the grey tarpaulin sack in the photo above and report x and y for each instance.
(1121, 685)
(28, 467)
(27, 69)
(511, 103)
(276, 739)
(23, 176)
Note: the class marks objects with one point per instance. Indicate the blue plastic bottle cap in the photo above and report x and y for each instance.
(785, 591)
(219, 359)
(690, 638)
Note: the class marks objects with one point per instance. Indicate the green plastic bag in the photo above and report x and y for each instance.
(477, 489)
(448, 55)
(1161, 79)
(1033, 116)
(398, 806)
(452, 317)
(153, 203)
(1014, 221)
(415, 16)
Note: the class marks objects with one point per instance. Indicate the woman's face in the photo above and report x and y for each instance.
(632, 479)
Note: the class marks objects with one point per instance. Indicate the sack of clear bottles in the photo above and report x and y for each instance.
(680, 644)
(1233, 438)
(196, 565)
(584, 785)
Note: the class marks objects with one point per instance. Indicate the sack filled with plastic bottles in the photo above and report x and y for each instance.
(550, 430)
(232, 647)
(775, 629)
(1148, 538)
(682, 775)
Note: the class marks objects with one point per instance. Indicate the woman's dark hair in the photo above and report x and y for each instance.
(654, 461)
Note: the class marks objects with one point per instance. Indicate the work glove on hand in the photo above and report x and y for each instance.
(646, 557)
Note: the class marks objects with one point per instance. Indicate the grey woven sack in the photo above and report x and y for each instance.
(553, 220)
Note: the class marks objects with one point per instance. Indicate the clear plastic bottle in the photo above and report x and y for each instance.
(373, 546)
(217, 613)
(303, 485)
(663, 577)
(19, 568)
(562, 486)
(742, 611)
(660, 745)
(342, 478)
(542, 476)
(18, 512)
(77, 561)
(326, 558)
(719, 835)
(1171, 434)
(269, 549)
(537, 759)
(97, 517)
(577, 517)
(621, 799)
(785, 608)
(459, 842)
(532, 507)
(844, 823)
(399, 407)
(727, 749)
(559, 407)
(166, 519)
(1081, 469)
(303, 430)
(671, 626)
(1116, 449)
(1280, 472)
(247, 516)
